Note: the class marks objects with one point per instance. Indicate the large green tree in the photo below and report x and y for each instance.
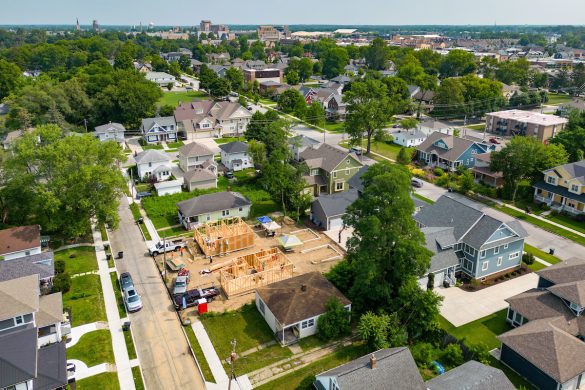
(292, 102)
(334, 61)
(10, 76)
(458, 63)
(376, 54)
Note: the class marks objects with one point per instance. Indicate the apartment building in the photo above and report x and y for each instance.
(525, 123)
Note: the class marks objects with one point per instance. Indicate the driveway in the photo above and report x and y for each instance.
(461, 307)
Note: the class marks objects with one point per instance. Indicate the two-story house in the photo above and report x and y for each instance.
(207, 118)
(486, 247)
(152, 162)
(547, 346)
(484, 174)
(212, 207)
(160, 129)
(20, 241)
(41, 264)
(195, 155)
(235, 157)
(32, 353)
(563, 188)
(111, 132)
(299, 143)
(329, 169)
(449, 152)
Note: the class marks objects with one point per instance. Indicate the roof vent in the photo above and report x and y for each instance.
(304, 287)
(373, 361)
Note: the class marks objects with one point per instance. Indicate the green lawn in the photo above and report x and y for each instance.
(225, 140)
(389, 150)
(93, 348)
(78, 260)
(310, 342)
(554, 98)
(207, 374)
(482, 331)
(173, 98)
(130, 344)
(303, 378)
(175, 145)
(536, 266)
(118, 293)
(139, 384)
(85, 300)
(153, 146)
(335, 127)
(423, 198)
(104, 381)
(479, 126)
(541, 254)
(567, 221)
(267, 102)
(264, 357)
(103, 232)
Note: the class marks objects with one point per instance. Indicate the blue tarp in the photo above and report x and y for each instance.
(439, 366)
(264, 219)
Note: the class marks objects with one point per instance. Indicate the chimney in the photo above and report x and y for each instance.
(304, 287)
(373, 362)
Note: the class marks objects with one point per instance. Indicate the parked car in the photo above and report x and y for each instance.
(190, 298)
(357, 150)
(229, 174)
(70, 372)
(126, 281)
(166, 246)
(494, 141)
(181, 283)
(416, 183)
(132, 300)
(249, 108)
(143, 194)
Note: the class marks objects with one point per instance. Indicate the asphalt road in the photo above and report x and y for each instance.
(160, 343)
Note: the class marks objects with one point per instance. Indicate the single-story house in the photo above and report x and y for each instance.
(235, 157)
(111, 132)
(199, 178)
(327, 211)
(20, 241)
(385, 369)
(161, 78)
(152, 162)
(293, 306)
(409, 138)
(471, 376)
(212, 207)
(168, 187)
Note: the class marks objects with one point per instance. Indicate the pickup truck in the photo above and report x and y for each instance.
(168, 246)
(181, 283)
(190, 298)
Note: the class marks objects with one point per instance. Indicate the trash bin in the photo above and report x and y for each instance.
(108, 257)
(126, 326)
(120, 255)
(551, 251)
(106, 247)
(140, 220)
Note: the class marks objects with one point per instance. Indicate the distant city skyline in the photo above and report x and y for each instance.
(365, 12)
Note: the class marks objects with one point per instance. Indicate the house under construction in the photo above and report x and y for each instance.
(249, 272)
(224, 236)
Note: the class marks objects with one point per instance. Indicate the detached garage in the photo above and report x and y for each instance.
(327, 211)
(168, 187)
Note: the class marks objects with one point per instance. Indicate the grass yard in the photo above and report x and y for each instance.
(207, 374)
(118, 293)
(225, 140)
(130, 344)
(303, 378)
(541, 254)
(153, 146)
(78, 260)
(479, 127)
(104, 381)
(175, 145)
(103, 232)
(423, 198)
(335, 127)
(482, 331)
(173, 98)
(389, 150)
(93, 348)
(262, 358)
(555, 98)
(567, 221)
(138, 382)
(267, 102)
(85, 300)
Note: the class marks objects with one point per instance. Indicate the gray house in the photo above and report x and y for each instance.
(445, 260)
(194, 155)
(485, 246)
(111, 132)
(471, 376)
(199, 178)
(327, 211)
(41, 264)
(300, 143)
(448, 152)
(212, 207)
(235, 157)
(160, 129)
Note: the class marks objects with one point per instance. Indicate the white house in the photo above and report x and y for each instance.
(161, 78)
(168, 187)
(234, 156)
(207, 118)
(159, 129)
(409, 138)
(153, 162)
(111, 132)
(293, 306)
(20, 241)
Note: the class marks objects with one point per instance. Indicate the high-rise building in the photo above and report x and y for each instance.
(95, 25)
(77, 26)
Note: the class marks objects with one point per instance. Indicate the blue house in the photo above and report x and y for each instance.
(486, 247)
(448, 152)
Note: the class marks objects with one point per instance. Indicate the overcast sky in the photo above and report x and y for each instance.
(385, 12)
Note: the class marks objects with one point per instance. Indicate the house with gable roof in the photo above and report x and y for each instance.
(160, 129)
(448, 152)
(207, 118)
(235, 156)
(563, 188)
(152, 162)
(111, 132)
(19, 242)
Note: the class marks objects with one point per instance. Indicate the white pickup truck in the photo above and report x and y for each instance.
(166, 246)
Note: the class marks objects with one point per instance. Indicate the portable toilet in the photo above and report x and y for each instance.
(202, 305)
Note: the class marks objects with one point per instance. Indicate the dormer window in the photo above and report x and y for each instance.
(574, 188)
(551, 180)
(576, 308)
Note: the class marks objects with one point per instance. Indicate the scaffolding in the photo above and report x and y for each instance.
(222, 237)
(249, 272)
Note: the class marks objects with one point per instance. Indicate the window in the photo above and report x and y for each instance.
(261, 306)
(208, 217)
(482, 254)
(225, 213)
(513, 256)
(334, 174)
(314, 172)
(574, 188)
(506, 246)
(499, 261)
(19, 320)
(27, 253)
(550, 180)
(149, 164)
(496, 250)
(339, 186)
(485, 265)
(308, 324)
(347, 172)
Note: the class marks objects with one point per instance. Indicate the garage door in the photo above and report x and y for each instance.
(335, 223)
(439, 279)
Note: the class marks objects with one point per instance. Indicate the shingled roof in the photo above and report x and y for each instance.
(19, 238)
(536, 304)
(471, 376)
(195, 149)
(296, 299)
(41, 264)
(326, 157)
(570, 270)
(212, 202)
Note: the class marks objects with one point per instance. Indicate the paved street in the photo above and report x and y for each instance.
(160, 344)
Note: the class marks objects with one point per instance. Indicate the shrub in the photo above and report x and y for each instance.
(59, 266)
(438, 171)
(443, 181)
(335, 322)
(480, 353)
(528, 258)
(62, 282)
(453, 355)
(431, 281)
(423, 354)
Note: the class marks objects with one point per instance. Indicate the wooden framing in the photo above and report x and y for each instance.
(249, 272)
(224, 236)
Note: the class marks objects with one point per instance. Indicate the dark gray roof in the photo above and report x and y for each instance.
(212, 202)
(148, 123)
(151, 156)
(195, 149)
(326, 157)
(234, 147)
(395, 368)
(52, 367)
(18, 356)
(440, 241)
(301, 141)
(356, 180)
(41, 264)
(413, 134)
(471, 376)
(576, 169)
(335, 204)
(562, 191)
(455, 146)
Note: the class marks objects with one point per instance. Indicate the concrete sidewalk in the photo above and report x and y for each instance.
(123, 365)
(210, 354)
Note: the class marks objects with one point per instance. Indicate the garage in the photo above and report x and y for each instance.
(327, 211)
(335, 223)
(439, 278)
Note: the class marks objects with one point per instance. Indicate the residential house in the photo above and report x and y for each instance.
(235, 157)
(327, 211)
(152, 162)
(390, 368)
(162, 79)
(417, 94)
(563, 188)
(142, 67)
(12, 136)
(577, 104)
(32, 353)
(300, 143)
(200, 178)
(525, 123)
(159, 129)
(292, 307)
(547, 347)
(445, 260)
(111, 132)
(206, 118)
(20, 241)
(409, 138)
(471, 375)
(212, 207)
(483, 174)
(195, 155)
(486, 247)
(220, 70)
(41, 264)
(168, 187)
(268, 74)
(449, 152)
(218, 58)
(510, 90)
(176, 55)
(329, 169)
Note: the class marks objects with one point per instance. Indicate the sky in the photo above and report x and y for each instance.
(354, 12)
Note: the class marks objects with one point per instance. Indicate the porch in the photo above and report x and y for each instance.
(288, 335)
(558, 202)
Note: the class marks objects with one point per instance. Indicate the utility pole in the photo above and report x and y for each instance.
(165, 255)
(233, 358)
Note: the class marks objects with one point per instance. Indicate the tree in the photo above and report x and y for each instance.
(376, 54)
(458, 63)
(10, 77)
(409, 123)
(292, 102)
(166, 110)
(453, 354)
(510, 72)
(258, 51)
(206, 76)
(123, 60)
(466, 181)
(373, 329)
(184, 63)
(175, 69)
(404, 156)
(62, 282)
(257, 151)
(335, 322)
(429, 60)
(368, 110)
(397, 91)
(426, 83)
(316, 114)
(219, 87)
(292, 77)
(235, 78)
(334, 61)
